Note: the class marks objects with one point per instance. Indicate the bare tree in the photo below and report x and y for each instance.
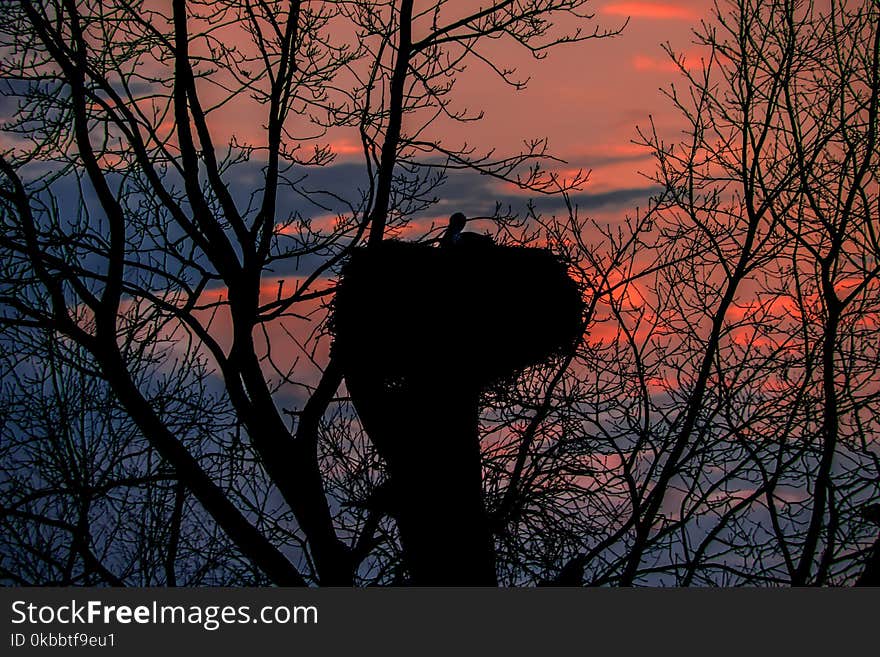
(129, 240)
(730, 414)
(717, 425)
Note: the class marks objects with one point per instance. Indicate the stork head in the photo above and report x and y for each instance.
(457, 222)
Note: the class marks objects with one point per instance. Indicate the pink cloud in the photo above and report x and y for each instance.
(650, 10)
(662, 63)
(325, 223)
(645, 63)
(346, 147)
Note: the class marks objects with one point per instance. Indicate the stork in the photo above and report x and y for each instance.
(454, 234)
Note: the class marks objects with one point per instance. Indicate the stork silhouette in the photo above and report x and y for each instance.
(455, 235)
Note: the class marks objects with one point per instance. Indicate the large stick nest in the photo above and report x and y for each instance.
(467, 313)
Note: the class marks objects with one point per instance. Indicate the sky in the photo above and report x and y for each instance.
(587, 98)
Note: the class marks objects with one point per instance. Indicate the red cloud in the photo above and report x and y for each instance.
(650, 10)
(652, 64)
(346, 147)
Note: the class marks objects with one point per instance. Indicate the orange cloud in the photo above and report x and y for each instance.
(645, 63)
(346, 147)
(662, 63)
(650, 10)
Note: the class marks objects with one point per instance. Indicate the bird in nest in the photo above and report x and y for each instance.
(455, 235)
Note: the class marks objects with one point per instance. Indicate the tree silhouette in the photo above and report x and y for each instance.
(464, 317)
(172, 411)
(748, 448)
(125, 238)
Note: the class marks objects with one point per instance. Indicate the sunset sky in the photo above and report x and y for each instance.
(587, 98)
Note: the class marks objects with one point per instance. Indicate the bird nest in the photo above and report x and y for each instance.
(468, 314)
